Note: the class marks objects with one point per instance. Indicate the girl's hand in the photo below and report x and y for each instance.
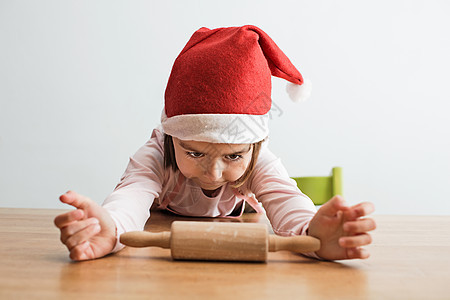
(89, 231)
(342, 230)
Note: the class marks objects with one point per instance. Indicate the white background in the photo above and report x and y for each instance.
(82, 85)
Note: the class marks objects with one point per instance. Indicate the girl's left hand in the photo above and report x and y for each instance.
(342, 230)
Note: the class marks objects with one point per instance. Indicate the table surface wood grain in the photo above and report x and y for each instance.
(410, 259)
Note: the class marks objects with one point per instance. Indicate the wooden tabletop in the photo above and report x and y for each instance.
(410, 260)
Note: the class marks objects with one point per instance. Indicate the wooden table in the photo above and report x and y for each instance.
(410, 260)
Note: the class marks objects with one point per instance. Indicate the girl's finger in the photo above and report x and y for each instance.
(76, 200)
(65, 219)
(80, 252)
(75, 227)
(357, 252)
(333, 206)
(355, 240)
(359, 210)
(82, 236)
(359, 226)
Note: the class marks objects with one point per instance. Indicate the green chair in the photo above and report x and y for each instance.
(321, 189)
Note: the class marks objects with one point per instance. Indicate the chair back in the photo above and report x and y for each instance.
(321, 188)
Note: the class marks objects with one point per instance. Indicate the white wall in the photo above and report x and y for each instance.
(82, 84)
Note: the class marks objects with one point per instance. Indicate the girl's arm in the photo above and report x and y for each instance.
(342, 229)
(91, 231)
(287, 208)
(129, 204)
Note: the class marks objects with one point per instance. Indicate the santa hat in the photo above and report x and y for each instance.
(219, 90)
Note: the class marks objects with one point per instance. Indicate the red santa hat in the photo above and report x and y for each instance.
(219, 90)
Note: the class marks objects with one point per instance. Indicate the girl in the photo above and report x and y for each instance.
(210, 158)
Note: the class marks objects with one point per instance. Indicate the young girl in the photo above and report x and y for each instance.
(209, 156)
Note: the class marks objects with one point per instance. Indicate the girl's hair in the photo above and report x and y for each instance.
(170, 161)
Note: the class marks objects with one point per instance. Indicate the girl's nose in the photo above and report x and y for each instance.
(214, 170)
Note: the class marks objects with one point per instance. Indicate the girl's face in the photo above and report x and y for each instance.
(212, 165)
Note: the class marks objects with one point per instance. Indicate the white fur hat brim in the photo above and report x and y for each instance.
(217, 128)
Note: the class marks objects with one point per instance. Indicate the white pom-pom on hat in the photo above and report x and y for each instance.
(299, 93)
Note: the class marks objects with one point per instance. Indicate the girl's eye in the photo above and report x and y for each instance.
(195, 154)
(234, 157)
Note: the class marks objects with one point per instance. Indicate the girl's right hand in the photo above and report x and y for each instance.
(89, 231)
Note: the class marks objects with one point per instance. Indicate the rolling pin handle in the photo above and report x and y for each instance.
(298, 244)
(146, 239)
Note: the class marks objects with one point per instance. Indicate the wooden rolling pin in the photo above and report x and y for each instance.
(220, 241)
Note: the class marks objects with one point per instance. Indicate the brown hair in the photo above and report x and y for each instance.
(170, 160)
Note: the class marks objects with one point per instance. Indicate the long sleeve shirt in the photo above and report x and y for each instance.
(146, 181)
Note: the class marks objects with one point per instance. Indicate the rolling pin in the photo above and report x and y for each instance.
(189, 240)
